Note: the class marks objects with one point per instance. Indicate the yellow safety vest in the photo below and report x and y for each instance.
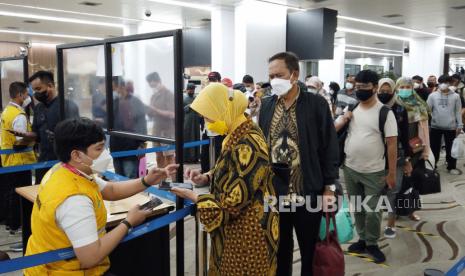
(58, 184)
(8, 140)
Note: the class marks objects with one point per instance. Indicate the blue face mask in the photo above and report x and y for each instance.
(405, 93)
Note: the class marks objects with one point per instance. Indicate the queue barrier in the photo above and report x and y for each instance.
(68, 253)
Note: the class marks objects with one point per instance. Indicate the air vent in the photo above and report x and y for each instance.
(443, 27)
(11, 28)
(318, 1)
(458, 7)
(31, 21)
(206, 20)
(380, 43)
(397, 23)
(90, 4)
(392, 15)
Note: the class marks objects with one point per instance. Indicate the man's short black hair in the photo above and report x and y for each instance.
(240, 87)
(334, 86)
(456, 76)
(247, 79)
(118, 81)
(308, 76)
(367, 76)
(154, 76)
(444, 79)
(45, 77)
(291, 60)
(76, 134)
(16, 88)
(418, 78)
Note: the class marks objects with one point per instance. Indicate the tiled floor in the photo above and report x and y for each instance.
(407, 255)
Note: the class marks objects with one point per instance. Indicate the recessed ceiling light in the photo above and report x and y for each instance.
(444, 27)
(373, 48)
(380, 43)
(31, 21)
(454, 46)
(51, 34)
(91, 4)
(355, 31)
(398, 23)
(372, 53)
(458, 7)
(392, 15)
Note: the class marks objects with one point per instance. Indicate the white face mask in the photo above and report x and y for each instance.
(249, 89)
(312, 90)
(280, 87)
(443, 86)
(453, 88)
(416, 85)
(100, 165)
(349, 86)
(26, 102)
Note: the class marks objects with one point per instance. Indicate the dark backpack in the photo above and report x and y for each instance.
(342, 134)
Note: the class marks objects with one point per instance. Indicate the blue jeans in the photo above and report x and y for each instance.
(127, 166)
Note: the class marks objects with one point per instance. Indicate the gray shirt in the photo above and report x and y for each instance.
(446, 110)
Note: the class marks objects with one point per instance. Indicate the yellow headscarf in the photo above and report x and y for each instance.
(224, 107)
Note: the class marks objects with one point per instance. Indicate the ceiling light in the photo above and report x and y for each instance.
(44, 44)
(354, 31)
(372, 53)
(51, 35)
(373, 48)
(384, 25)
(60, 19)
(90, 14)
(454, 38)
(281, 4)
(183, 4)
(454, 46)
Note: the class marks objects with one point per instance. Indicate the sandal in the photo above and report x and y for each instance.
(414, 217)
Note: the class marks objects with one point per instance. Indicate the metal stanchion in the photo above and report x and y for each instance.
(200, 234)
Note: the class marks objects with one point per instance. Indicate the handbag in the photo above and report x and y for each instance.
(344, 224)
(407, 199)
(458, 147)
(416, 144)
(425, 180)
(281, 179)
(328, 258)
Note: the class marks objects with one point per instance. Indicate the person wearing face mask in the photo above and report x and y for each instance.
(69, 210)
(191, 125)
(387, 96)
(289, 119)
(244, 237)
(446, 121)
(365, 170)
(420, 88)
(315, 86)
(248, 82)
(346, 97)
(161, 110)
(13, 120)
(46, 117)
(432, 84)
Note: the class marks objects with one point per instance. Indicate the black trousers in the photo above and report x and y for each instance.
(15, 180)
(39, 174)
(435, 140)
(205, 156)
(307, 228)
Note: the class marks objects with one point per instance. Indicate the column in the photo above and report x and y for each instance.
(222, 36)
(333, 70)
(426, 57)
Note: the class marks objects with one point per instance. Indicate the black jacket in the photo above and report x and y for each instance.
(318, 146)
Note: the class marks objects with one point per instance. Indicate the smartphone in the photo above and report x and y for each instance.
(169, 185)
(154, 202)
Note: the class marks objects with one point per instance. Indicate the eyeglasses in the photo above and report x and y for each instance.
(363, 86)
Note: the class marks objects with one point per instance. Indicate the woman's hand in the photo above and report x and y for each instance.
(137, 216)
(155, 175)
(196, 177)
(408, 168)
(185, 193)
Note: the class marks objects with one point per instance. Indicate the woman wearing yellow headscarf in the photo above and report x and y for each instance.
(244, 235)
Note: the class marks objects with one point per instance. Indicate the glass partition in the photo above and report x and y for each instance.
(11, 71)
(143, 87)
(84, 81)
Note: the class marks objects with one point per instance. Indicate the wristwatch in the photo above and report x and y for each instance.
(331, 188)
(128, 225)
(407, 159)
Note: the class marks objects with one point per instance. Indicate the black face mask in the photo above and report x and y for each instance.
(41, 96)
(364, 94)
(385, 97)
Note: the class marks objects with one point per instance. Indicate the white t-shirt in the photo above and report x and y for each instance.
(364, 147)
(20, 122)
(76, 217)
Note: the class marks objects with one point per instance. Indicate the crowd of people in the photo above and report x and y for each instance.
(388, 126)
